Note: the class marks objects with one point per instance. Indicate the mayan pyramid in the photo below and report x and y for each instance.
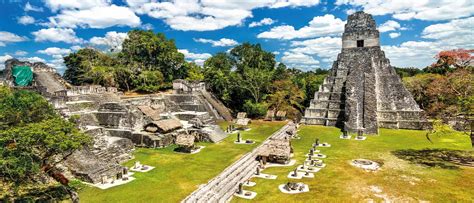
(362, 91)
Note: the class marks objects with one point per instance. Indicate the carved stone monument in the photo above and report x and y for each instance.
(362, 91)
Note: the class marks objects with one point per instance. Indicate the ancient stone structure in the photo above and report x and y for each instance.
(117, 122)
(362, 91)
(197, 93)
(276, 151)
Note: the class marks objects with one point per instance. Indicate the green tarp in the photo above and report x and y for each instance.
(23, 75)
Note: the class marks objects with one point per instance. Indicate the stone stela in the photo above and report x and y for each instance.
(363, 92)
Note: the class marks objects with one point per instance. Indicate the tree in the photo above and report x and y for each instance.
(145, 50)
(82, 66)
(149, 81)
(19, 108)
(255, 81)
(449, 60)
(418, 86)
(32, 147)
(286, 96)
(249, 55)
(124, 78)
(194, 72)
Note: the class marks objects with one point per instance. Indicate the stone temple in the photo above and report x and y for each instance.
(362, 91)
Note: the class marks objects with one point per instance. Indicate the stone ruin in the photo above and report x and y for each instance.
(119, 123)
(276, 151)
(362, 91)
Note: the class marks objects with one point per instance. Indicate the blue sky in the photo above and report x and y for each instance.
(301, 33)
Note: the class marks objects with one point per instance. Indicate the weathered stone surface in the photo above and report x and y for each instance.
(362, 91)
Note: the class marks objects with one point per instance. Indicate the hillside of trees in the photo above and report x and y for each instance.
(248, 78)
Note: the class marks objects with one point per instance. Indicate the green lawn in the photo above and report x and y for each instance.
(399, 180)
(177, 175)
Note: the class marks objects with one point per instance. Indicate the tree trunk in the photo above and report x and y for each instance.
(472, 132)
(73, 194)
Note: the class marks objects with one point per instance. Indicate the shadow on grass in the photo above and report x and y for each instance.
(443, 158)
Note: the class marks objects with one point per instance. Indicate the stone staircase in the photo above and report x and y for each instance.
(217, 105)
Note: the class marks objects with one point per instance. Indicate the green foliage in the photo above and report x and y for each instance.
(195, 72)
(142, 51)
(28, 149)
(255, 110)
(443, 96)
(145, 50)
(21, 107)
(408, 72)
(149, 81)
(33, 140)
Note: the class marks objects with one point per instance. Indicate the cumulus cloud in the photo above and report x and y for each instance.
(56, 5)
(56, 52)
(195, 57)
(26, 20)
(390, 25)
(29, 7)
(437, 37)
(66, 35)
(265, 21)
(319, 26)
(422, 10)
(95, 17)
(20, 53)
(223, 42)
(324, 47)
(207, 15)
(8, 37)
(33, 59)
(3, 59)
(112, 41)
(299, 60)
(394, 35)
(75, 47)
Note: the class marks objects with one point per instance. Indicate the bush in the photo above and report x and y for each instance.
(255, 110)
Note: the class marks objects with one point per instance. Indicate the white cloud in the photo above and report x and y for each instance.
(293, 3)
(56, 5)
(276, 52)
(319, 26)
(265, 21)
(223, 42)
(29, 7)
(3, 59)
(195, 57)
(443, 36)
(324, 47)
(112, 41)
(55, 51)
(422, 10)
(394, 34)
(147, 26)
(299, 60)
(207, 15)
(8, 37)
(20, 53)
(25, 20)
(32, 59)
(96, 17)
(458, 32)
(350, 11)
(390, 25)
(75, 47)
(190, 55)
(57, 35)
